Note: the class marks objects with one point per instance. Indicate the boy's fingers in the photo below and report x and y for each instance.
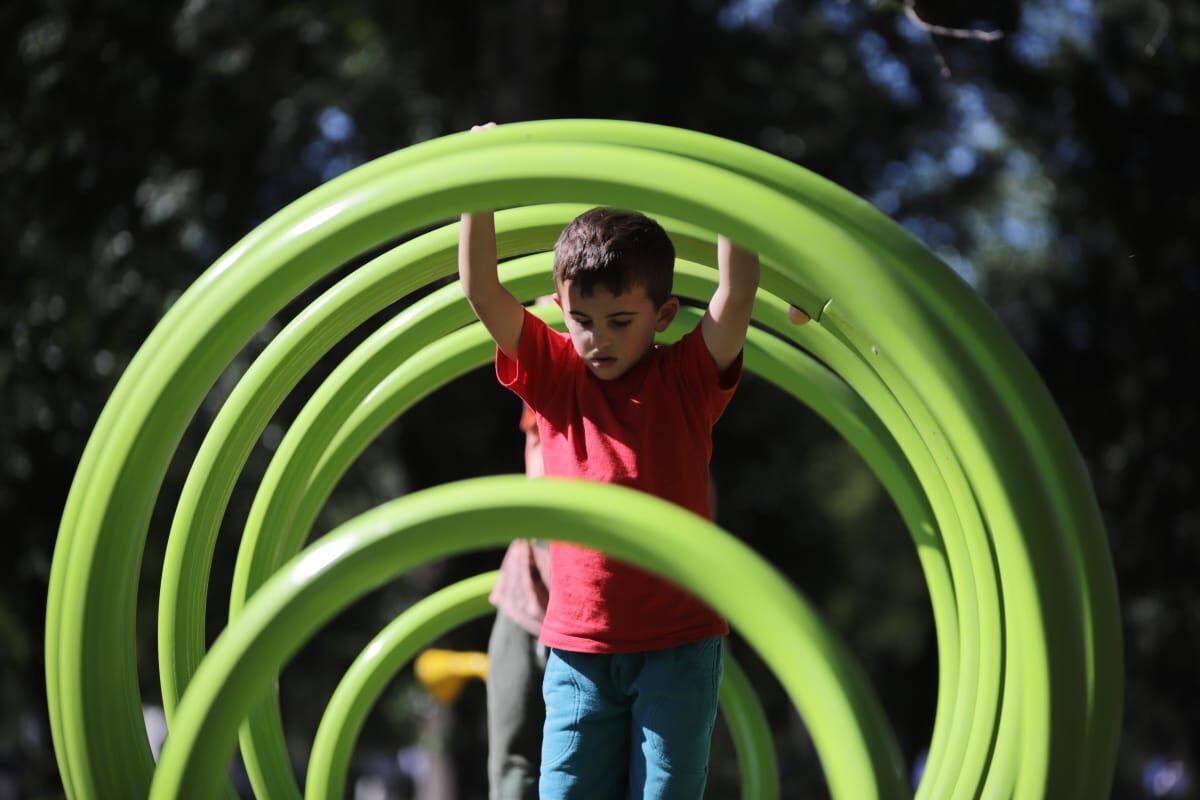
(797, 316)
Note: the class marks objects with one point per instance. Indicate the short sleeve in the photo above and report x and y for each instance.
(541, 353)
(698, 373)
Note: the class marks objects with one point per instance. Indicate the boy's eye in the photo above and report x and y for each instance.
(621, 323)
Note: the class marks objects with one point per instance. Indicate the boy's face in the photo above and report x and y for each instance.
(612, 333)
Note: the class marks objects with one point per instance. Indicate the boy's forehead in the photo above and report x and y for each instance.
(601, 298)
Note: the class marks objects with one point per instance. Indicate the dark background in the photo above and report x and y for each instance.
(1051, 168)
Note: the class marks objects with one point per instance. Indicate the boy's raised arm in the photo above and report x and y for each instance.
(496, 308)
(724, 324)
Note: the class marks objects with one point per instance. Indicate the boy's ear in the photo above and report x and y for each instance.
(666, 314)
(557, 300)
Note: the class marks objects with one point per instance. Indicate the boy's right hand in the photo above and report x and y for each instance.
(495, 307)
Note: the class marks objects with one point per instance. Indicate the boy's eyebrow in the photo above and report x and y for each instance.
(614, 314)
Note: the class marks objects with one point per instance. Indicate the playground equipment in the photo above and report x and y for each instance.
(901, 357)
(444, 673)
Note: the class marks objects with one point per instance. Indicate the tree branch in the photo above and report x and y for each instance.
(910, 11)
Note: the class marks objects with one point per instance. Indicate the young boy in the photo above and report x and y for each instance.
(635, 663)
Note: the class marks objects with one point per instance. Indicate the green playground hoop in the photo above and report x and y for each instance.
(917, 374)
(809, 661)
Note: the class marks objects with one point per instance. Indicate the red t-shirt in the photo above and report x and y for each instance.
(649, 429)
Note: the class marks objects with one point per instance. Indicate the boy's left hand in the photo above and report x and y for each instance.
(797, 316)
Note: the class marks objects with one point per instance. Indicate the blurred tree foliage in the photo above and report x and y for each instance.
(138, 141)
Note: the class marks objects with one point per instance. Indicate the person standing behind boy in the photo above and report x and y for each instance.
(635, 663)
(516, 659)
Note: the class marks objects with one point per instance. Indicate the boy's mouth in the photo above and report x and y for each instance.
(602, 361)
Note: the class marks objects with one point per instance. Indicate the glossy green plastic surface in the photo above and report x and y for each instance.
(846, 723)
(921, 378)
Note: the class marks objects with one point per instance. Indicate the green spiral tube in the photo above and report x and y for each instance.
(917, 373)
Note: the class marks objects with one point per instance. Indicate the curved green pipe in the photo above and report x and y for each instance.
(859, 757)
(374, 668)
(751, 734)
(962, 769)
(364, 215)
(439, 613)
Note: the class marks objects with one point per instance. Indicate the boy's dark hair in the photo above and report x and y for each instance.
(617, 250)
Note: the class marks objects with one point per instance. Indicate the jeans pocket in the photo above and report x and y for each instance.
(678, 721)
(562, 695)
(718, 665)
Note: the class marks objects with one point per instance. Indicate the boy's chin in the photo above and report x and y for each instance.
(606, 372)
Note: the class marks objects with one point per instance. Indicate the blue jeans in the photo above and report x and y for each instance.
(635, 725)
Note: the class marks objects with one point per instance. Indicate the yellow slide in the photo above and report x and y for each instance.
(445, 672)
